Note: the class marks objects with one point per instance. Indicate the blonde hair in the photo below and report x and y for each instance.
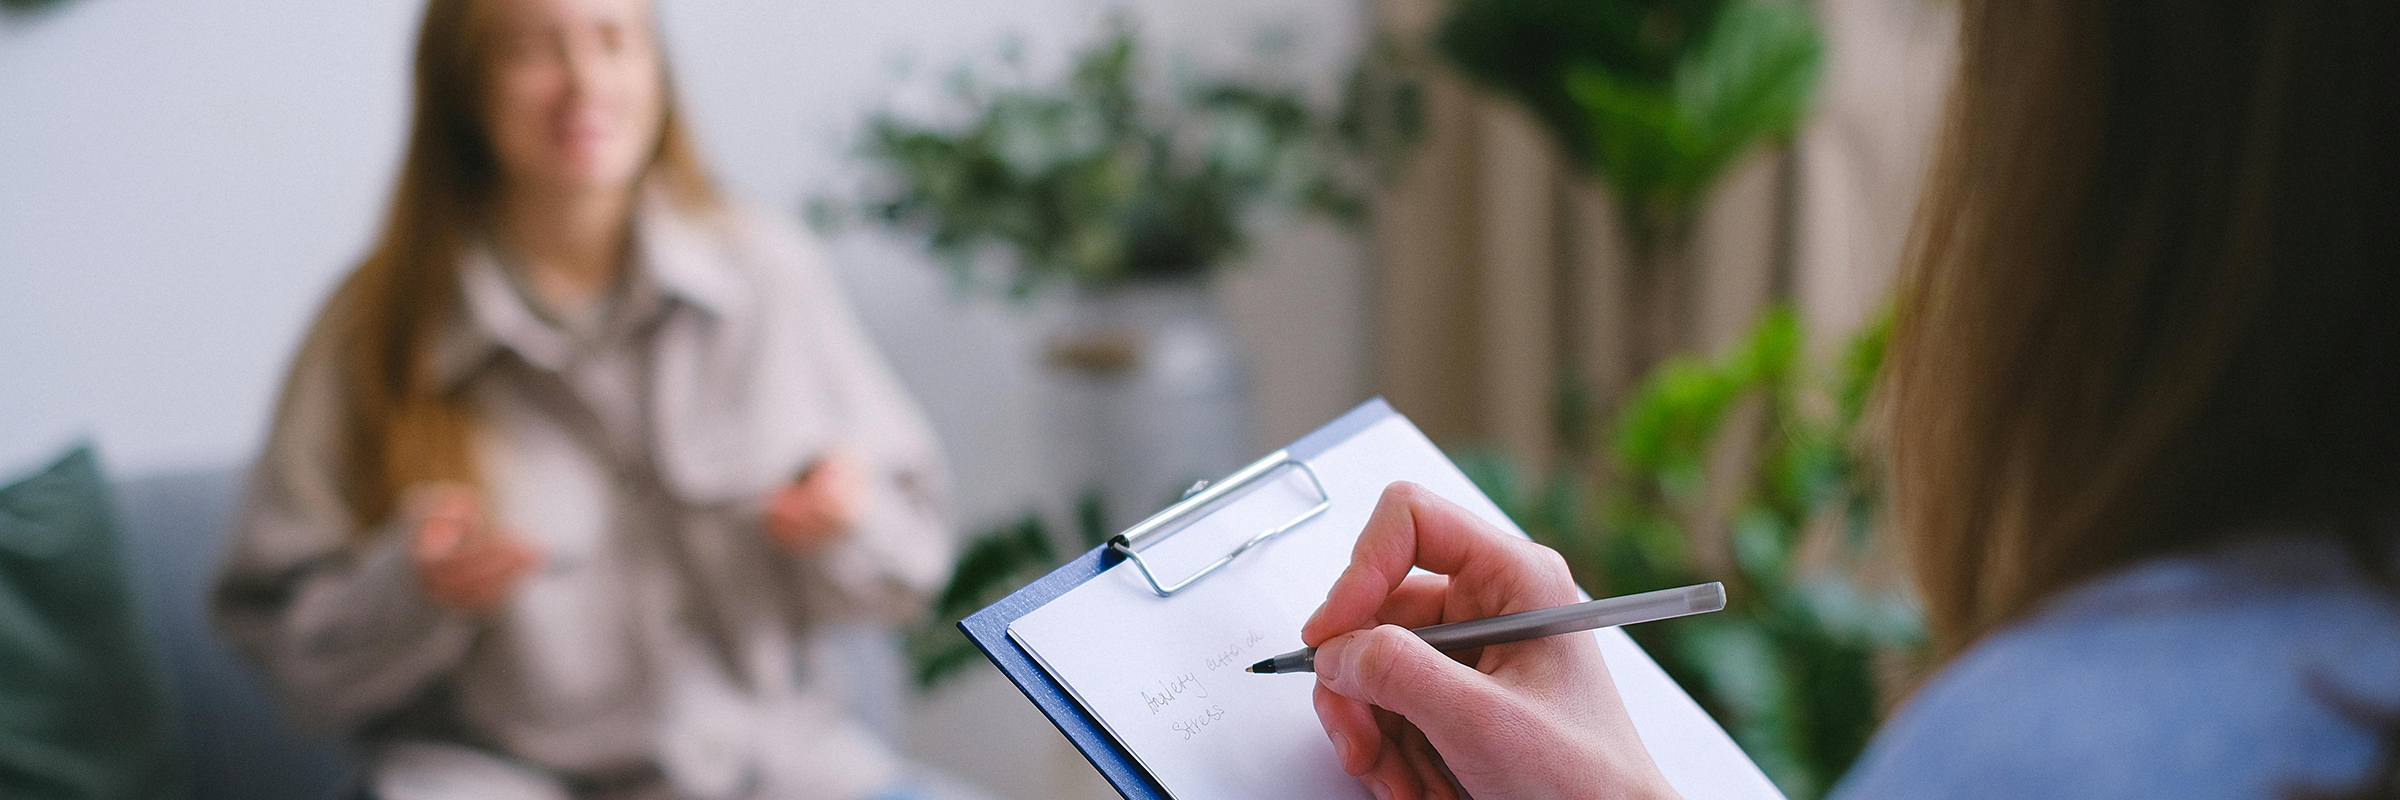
(2149, 305)
(405, 426)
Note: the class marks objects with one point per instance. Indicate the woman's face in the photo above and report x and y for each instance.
(572, 95)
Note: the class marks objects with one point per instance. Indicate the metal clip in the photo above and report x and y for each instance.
(1202, 498)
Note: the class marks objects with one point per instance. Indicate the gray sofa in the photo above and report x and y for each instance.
(240, 746)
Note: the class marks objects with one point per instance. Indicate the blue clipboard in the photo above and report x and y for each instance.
(988, 628)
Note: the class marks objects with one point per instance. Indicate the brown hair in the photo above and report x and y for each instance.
(2152, 299)
(404, 427)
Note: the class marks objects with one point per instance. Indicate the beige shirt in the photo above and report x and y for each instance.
(659, 647)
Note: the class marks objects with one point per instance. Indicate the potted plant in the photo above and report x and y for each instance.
(1130, 196)
(1806, 656)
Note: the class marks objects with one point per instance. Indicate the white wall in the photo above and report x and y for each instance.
(182, 181)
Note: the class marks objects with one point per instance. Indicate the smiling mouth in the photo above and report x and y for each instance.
(581, 129)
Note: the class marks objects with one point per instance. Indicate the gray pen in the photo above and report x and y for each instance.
(1535, 624)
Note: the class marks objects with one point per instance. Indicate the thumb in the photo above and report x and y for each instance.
(1390, 668)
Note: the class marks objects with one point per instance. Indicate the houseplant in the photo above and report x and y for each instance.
(1655, 99)
(1100, 181)
(1802, 662)
(1128, 193)
(995, 562)
(1125, 196)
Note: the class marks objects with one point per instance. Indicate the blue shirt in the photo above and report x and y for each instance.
(2185, 677)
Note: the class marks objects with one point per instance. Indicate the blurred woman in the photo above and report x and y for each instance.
(2145, 448)
(566, 469)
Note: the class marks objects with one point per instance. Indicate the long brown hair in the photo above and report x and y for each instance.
(405, 427)
(2154, 299)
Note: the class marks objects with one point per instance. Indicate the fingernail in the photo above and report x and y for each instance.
(1377, 787)
(1341, 748)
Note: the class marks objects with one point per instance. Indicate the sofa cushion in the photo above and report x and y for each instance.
(242, 746)
(84, 711)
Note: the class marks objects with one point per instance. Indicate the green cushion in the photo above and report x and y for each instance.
(84, 711)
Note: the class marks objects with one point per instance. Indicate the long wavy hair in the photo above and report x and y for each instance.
(2154, 299)
(405, 427)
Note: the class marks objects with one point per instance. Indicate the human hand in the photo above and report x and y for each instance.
(464, 561)
(1531, 719)
(819, 507)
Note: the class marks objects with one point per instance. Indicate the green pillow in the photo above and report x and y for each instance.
(83, 703)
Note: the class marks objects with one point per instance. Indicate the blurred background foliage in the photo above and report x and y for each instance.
(1656, 100)
(28, 6)
(1744, 467)
(995, 562)
(1655, 97)
(1103, 178)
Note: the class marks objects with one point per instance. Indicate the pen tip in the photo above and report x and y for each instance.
(1267, 666)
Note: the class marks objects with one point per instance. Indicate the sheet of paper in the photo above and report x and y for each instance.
(1164, 675)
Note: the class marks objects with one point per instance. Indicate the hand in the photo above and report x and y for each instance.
(819, 507)
(1532, 719)
(465, 562)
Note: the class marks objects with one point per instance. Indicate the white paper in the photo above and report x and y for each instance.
(1164, 675)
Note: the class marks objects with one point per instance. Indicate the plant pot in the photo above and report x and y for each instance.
(1150, 394)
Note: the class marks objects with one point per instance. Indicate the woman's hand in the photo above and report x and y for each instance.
(465, 562)
(819, 507)
(1533, 719)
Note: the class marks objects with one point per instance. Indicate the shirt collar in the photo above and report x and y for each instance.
(674, 258)
(685, 255)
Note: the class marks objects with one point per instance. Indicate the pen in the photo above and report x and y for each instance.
(1535, 624)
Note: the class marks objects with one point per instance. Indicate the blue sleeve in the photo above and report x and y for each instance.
(2196, 702)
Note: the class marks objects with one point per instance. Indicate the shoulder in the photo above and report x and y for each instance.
(2195, 676)
(312, 393)
(735, 258)
(770, 246)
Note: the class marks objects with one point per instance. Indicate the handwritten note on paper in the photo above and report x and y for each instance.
(1181, 704)
(1164, 675)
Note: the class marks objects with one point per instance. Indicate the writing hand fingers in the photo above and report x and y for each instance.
(1417, 602)
(1352, 727)
(1432, 774)
(1412, 527)
(1392, 769)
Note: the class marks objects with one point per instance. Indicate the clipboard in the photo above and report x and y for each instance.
(989, 628)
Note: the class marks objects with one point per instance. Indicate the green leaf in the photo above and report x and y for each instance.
(1762, 546)
(1790, 666)
(1092, 180)
(994, 562)
(1525, 48)
(1091, 518)
(1661, 144)
(1862, 362)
